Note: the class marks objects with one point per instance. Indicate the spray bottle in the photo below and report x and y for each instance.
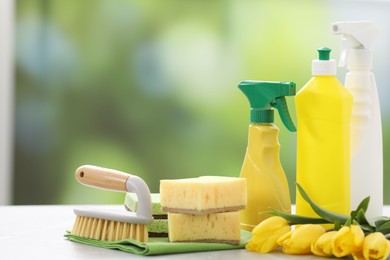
(366, 127)
(323, 108)
(267, 183)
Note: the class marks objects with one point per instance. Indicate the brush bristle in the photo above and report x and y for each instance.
(102, 229)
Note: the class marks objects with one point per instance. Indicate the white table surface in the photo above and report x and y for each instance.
(37, 232)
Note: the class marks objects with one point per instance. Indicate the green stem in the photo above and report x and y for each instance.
(323, 213)
(296, 219)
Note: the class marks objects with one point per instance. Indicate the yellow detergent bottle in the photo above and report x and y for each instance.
(323, 109)
(267, 183)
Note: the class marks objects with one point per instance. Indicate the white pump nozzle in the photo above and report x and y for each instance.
(355, 35)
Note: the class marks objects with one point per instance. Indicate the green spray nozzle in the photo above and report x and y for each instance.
(263, 96)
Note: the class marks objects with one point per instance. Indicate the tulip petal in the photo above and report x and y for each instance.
(284, 237)
(266, 234)
(271, 243)
(348, 240)
(299, 240)
(376, 246)
(323, 246)
(358, 255)
(273, 223)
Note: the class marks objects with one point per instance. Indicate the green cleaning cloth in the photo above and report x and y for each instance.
(160, 246)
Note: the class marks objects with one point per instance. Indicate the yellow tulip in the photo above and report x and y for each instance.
(299, 240)
(358, 255)
(348, 240)
(376, 246)
(267, 233)
(323, 246)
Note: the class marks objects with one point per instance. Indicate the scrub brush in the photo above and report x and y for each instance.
(108, 224)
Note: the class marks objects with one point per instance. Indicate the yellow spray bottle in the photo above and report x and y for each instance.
(323, 108)
(267, 183)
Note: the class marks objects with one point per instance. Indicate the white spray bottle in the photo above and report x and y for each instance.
(366, 127)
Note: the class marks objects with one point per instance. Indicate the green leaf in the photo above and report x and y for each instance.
(367, 229)
(384, 228)
(296, 219)
(379, 221)
(361, 220)
(323, 213)
(363, 205)
(349, 222)
(361, 217)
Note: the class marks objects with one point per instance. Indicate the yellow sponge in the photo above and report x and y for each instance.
(216, 228)
(203, 195)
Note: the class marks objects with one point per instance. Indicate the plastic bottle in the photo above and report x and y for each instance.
(323, 108)
(267, 183)
(366, 126)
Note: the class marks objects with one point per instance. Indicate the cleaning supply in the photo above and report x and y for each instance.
(221, 227)
(366, 127)
(204, 209)
(161, 246)
(266, 181)
(323, 109)
(203, 195)
(109, 225)
(159, 226)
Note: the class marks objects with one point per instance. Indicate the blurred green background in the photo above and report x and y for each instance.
(150, 87)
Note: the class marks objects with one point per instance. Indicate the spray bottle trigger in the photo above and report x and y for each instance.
(281, 105)
(343, 54)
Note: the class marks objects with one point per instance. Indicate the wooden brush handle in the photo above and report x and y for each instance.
(110, 179)
(103, 178)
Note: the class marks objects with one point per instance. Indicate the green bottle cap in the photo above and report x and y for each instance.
(263, 96)
(324, 53)
(324, 66)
